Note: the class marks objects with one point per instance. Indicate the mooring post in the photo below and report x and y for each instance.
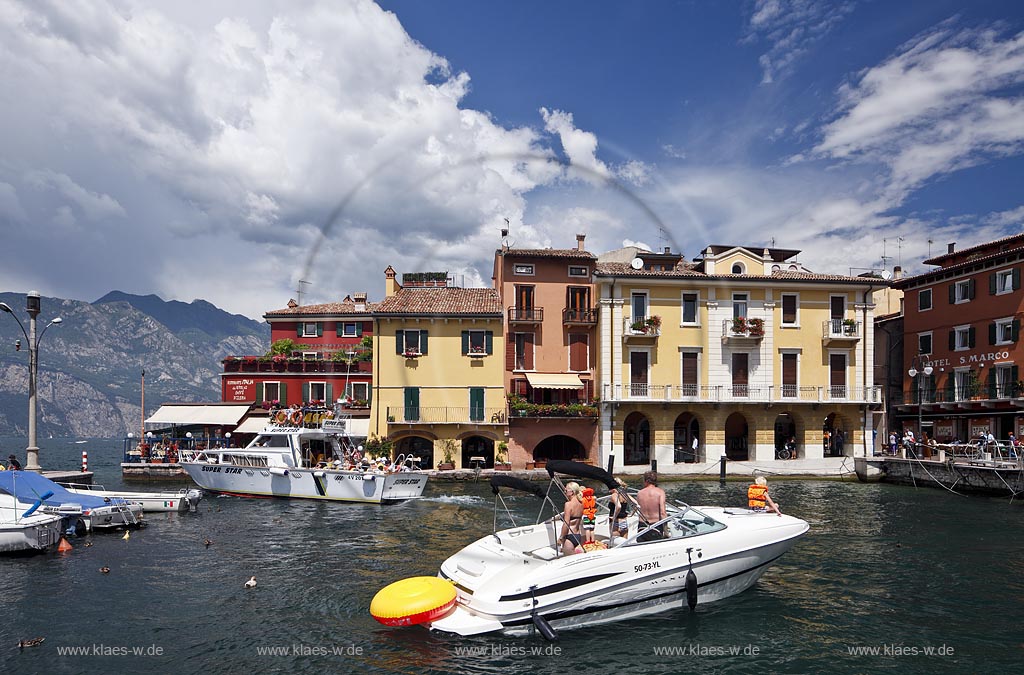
(721, 469)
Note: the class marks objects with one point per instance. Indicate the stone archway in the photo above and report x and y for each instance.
(636, 441)
(416, 446)
(785, 429)
(684, 432)
(737, 434)
(477, 452)
(560, 447)
(836, 432)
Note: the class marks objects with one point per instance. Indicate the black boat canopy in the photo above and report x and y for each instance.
(581, 471)
(499, 480)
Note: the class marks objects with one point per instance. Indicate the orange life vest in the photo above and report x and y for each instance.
(589, 503)
(757, 496)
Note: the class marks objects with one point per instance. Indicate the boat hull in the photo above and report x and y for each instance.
(152, 502)
(18, 534)
(322, 484)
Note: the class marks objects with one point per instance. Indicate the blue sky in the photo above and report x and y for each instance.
(199, 149)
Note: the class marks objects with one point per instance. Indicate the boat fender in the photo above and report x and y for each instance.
(367, 476)
(691, 590)
(545, 628)
(278, 471)
(412, 601)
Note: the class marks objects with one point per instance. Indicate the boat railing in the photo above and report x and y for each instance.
(168, 449)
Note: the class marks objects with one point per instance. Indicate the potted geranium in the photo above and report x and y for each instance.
(739, 325)
(501, 462)
(755, 327)
(849, 327)
(279, 362)
(231, 364)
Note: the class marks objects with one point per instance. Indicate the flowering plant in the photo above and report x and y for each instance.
(411, 353)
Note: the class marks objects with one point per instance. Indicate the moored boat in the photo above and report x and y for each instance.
(85, 512)
(185, 499)
(305, 454)
(23, 529)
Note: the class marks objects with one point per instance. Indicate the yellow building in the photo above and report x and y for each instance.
(438, 380)
(733, 354)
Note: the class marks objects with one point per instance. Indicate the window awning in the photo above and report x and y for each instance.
(554, 380)
(252, 425)
(212, 414)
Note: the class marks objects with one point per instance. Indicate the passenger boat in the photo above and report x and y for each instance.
(23, 529)
(518, 580)
(85, 512)
(300, 454)
(185, 499)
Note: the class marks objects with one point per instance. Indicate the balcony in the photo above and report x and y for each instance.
(518, 409)
(283, 364)
(840, 330)
(699, 393)
(944, 399)
(579, 317)
(742, 331)
(647, 327)
(526, 315)
(445, 415)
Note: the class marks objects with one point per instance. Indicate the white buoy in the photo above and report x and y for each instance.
(251, 583)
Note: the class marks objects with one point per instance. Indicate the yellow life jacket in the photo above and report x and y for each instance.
(589, 503)
(757, 496)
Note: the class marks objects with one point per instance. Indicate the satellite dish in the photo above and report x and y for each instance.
(886, 274)
(636, 263)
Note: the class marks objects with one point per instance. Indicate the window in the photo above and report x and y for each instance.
(577, 303)
(523, 351)
(316, 391)
(965, 385)
(924, 343)
(739, 305)
(789, 376)
(522, 269)
(411, 342)
(924, 300)
(1003, 332)
(740, 374)
(272, 391)
(737, 268)
(961, 291)
(578, 352)
(477, 342)
(638, 303)
(690, 308)
(350, 329)
(1005, 379)
(476, 404)
(578, 271)
(691, 374)
(359, 391)
(311, 329)
(1004, 281)
(310, 356)
(789, 304)
(837, 375)
(961, 338)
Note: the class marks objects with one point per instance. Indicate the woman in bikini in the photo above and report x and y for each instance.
(572, 517)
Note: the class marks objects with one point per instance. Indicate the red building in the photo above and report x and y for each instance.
(963, 320)
(317, 353)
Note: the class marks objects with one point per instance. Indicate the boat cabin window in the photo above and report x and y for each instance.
(686, 523)
(271, 441)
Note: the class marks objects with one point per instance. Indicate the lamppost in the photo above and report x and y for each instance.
(919, 366)
(33, 307)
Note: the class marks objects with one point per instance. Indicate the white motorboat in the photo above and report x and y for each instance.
(185, 499)
(517, 580)
(300, 454)
(83, 511)
(19, 532)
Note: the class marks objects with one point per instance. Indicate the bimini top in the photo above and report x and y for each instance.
(581, 471)
(500, 480)
(28, 486)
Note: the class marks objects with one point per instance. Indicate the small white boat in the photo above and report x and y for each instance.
(518, 581)
(152, 502)
(37, 531)
(84, 511)
(297, 455)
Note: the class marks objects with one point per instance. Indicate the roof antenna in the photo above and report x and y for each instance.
(929, 247)
(298, 291)
(899, 251)
(885, 258)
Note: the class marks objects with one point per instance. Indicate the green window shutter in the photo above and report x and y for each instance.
(1013, 379)
(1016, 278)
(259, 392)
(952, 293)
(476, 404)
(399, 341)
(298, 329)
(991, 333)
(951, 387)
(1015, 330)
(412, 404)
(319, 328)
(283, 387)
(992, 284)
(970, 337)
(970, 289)
(359, 329)
(423, 342)
(489, 341)
(952, 340)
(465, 342)
(305, 391)
(329, 399)
(339, 329)
(991, 383)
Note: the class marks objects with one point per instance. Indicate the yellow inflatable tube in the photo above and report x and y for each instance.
(412, 601)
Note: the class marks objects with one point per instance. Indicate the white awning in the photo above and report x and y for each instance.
(554, 380)
(252, 425)
(214, 414)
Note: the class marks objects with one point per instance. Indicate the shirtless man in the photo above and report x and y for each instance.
(652, 505)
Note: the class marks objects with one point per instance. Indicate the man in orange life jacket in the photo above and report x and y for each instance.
(757, 496)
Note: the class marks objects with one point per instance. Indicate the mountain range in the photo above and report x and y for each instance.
(91, 364)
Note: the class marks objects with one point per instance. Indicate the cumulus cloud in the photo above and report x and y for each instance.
(579, 146)
(791, 28)
(1010, 218)
(10, 205)
(96, 206)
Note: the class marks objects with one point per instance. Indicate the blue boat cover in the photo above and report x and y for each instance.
(28, 486)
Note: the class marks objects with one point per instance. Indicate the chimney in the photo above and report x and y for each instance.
(897, 272)
(668, 249)
(292, 304)
(579, 241)
(360, 300)
(391, 285)
(950, 247)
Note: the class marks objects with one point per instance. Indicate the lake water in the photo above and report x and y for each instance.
(883, 568)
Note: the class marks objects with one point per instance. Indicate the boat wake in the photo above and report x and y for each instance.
(456, 499)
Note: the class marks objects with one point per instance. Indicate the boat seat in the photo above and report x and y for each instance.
(545, 553)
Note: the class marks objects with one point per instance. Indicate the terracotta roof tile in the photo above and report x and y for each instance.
(690, 272)
(327, 308)
(548, 253)
(439, 301)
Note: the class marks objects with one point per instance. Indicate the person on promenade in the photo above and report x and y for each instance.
(13, 464)
(570, 538)
(652, 506)
(892, 443)
(757, 496)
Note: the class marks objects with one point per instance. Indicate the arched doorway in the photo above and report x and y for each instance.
(559, 447)
(686, 430)
(636, 443)
(834, 435)
(785, 429)
(416, 446)
(477, 451)
(736, 432)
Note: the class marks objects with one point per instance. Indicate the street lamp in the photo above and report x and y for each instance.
(33, 307)
(925, 369)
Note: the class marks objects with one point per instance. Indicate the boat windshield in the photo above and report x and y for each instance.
(682, 521)
(270, 441)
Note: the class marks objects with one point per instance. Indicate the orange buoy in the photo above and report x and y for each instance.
(63, 546)
(412, 601)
